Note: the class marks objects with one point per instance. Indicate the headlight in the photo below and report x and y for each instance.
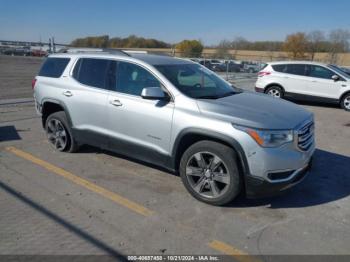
(268, 138)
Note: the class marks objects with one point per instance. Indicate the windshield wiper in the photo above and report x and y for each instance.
(208, 97)
(228, 94)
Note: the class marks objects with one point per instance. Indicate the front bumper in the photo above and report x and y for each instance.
(257, 187)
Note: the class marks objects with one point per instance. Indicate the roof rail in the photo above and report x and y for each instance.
(135, 51)
(94, 50)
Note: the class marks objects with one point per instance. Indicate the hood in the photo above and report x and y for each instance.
(255, 110)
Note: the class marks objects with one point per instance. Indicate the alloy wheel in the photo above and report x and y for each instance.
(57, 134)
(347, 102)
(274, 92)
(207, 174)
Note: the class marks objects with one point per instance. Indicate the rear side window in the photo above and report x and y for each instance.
(280, 68)
(92, 72)
(296, 69)
(53, 67)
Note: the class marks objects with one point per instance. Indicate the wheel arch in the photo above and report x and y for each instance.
(343, 95)
(50, 106)
(189, 136)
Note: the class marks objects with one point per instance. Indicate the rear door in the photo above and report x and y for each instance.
(138, 126)
(293, 79)
(87, 97)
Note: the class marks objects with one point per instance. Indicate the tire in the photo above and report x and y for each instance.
(221, 183)
(345, 102)
(58, 129)
(275, 91)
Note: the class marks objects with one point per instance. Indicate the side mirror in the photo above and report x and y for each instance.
(153, 93)
(335, 78)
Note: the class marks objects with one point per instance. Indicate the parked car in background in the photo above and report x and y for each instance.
(233, 66)
(207, 63)
(305, 81)
(40, 53)
(21, 51)
(252, 67)
(346, 70)
(218, 65)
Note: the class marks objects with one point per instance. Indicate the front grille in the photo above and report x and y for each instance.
(305, 137)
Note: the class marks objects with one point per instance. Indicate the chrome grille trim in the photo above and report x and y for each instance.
(305, 136)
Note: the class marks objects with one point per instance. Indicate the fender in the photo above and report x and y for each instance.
(216, 136)
(62, 104)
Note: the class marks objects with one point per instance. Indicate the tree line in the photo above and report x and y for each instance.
(131, 41)
(298, 45)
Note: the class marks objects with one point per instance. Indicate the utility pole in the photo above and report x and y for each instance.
(50, 46)
(53, 45)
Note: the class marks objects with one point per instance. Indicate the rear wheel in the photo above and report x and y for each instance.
(59, 134)
(209, 172)
(345, 102)
(274, 91)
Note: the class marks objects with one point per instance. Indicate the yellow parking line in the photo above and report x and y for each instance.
(82, 182)
(232, 251)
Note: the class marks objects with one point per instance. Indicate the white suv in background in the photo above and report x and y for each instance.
(305, 81)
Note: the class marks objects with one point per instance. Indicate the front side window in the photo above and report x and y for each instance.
(196, 81)
(92, 72)
(320, 72)
(131, 79)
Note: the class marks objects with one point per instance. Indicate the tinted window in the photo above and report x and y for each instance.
(296, 69)
(92, 72)
(53, 67)
(131, 79)
(320, 72)
(280, 68)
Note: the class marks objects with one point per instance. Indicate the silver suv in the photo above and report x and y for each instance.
(176, 114)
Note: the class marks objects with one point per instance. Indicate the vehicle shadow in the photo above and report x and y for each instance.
(112, 254)
(91, 149)
(315, 103)
(8, 133)
(328, 181)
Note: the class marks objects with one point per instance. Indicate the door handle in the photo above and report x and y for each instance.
(115, 102)
(67, 93)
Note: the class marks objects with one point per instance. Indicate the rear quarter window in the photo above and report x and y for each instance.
(92, 72)
(280, 68)
(53, 67)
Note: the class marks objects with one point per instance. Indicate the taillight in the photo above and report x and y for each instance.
(264, 73)
(33, 83)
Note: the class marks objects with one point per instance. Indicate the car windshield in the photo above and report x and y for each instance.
(339, 71)
(196, 81)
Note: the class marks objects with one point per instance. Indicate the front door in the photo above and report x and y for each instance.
(321, 83)
(140, 127)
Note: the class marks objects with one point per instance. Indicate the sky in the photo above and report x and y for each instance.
(172, 21)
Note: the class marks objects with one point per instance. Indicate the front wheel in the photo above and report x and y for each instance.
(209, 172)
(345, 102)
